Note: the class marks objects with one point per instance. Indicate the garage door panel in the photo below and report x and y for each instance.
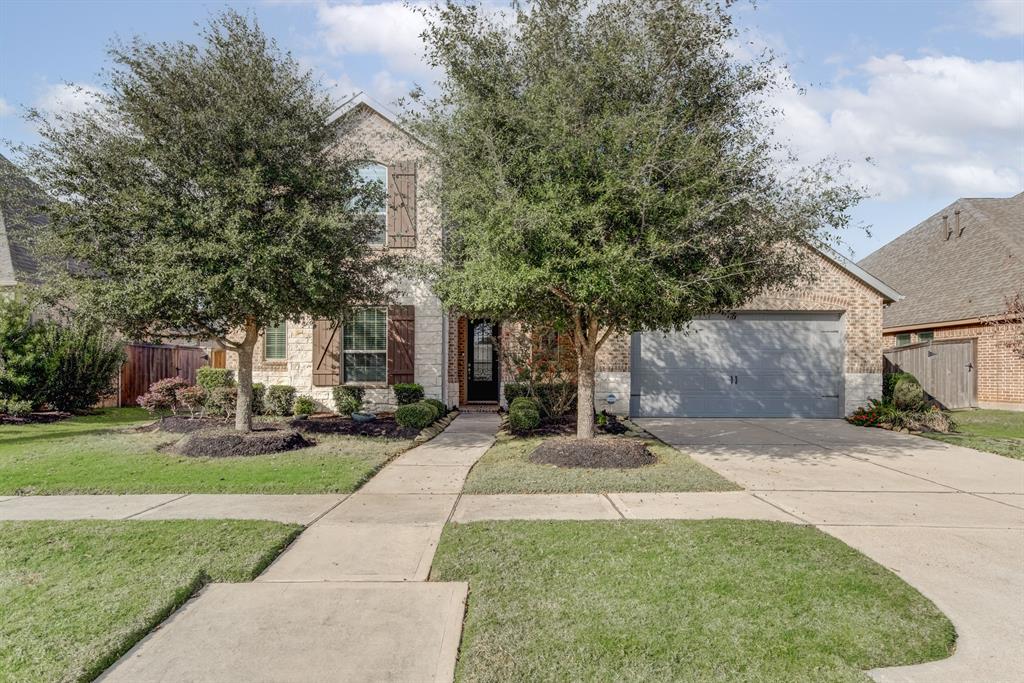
(761, 364)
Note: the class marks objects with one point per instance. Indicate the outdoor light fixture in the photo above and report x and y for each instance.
(611, 398)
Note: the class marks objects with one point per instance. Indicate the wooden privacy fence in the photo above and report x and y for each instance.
(148, 363)
(946, 369)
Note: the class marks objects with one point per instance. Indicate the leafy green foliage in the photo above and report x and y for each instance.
(416, 415)
(554, 399)
(211, 378)
(891, 379)
(908, 395)
(223, 400)
(523, 415)
(304, 405)
(82, 363)
(259, 392)
(15, 407)
(22, 353)
(609, 167)
(206, 195)
(279, 399)
(348, 399)
(441, 408)
(408, 393)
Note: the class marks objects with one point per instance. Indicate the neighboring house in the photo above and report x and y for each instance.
(19, 221)
(957, 270)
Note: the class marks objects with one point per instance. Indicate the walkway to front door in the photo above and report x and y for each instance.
(349, 601)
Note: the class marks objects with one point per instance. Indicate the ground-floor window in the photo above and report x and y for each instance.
(275, 345)
(365, 346)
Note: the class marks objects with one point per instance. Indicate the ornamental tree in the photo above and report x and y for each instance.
(609, 167)
(202, 195)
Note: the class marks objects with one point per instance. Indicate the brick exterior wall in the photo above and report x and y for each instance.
(374, 138)
(1000, 374)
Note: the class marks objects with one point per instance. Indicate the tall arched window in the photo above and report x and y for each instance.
(378, 174)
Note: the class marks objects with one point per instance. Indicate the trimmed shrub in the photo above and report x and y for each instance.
(82, 362)
(554, 399)
(15, 407)
(304, 405)
(162, 397)
(441, 408)
(523, 416)
(408, 393)
(279, 399)
(259, 392)
(416, 415)
(890, 381)
(348, 400)
(211, 378)
(524, 402)
(224, 400)
(192, 398)
(22, 353)
(908, 395)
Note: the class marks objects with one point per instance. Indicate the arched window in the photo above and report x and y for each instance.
(378, 174)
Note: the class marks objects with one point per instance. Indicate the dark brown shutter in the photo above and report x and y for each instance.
(401, 344)
(402, 205)
(326, 353)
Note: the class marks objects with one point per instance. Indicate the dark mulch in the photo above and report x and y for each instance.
(34, 418)
(335, 424)
(565, 425)
(232, 444)
(600, 452)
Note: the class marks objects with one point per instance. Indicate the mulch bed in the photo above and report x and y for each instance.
(601, 452)
(335, 424)
(565, 425)
(34, 418)
(227, 444)
(176, 424)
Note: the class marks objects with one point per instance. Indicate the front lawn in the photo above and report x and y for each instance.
(104, 454)
(995, 431)
(721, 600)
(74, 596)
(506, 468)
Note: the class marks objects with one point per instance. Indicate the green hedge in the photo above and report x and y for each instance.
(523, 415)
(348, 400)
(544, 395)
(416, 415)
(279, 399)
(408, 393)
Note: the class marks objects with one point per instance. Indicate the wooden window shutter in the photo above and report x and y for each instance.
(402, 205)
(326, 353)
(401, 344)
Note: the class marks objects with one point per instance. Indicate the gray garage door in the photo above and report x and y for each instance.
(754, 365)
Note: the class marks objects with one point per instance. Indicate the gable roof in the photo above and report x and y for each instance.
(20, 221)
(965, 277)
(362, 101)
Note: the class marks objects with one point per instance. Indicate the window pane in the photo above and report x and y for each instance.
(274, 344)
(365, 367)
(902, 339)
(377, 174)
(925, 336)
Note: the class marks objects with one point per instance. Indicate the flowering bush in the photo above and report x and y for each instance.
(193, 398)
(887, 415)
(162, 399)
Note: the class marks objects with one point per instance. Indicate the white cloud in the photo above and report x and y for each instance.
(389, 29)
(67, 98)
(931, 126)
(1000, 18)
(5, 108)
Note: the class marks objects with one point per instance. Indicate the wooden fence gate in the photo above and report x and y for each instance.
(946, 369)
(148, 363)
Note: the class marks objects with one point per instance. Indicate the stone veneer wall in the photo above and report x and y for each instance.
(1000, 373)
(366, 134)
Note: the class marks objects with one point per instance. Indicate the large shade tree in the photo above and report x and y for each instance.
(609, 167)
(202, 195)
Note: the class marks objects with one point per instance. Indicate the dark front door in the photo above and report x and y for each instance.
(482, 367)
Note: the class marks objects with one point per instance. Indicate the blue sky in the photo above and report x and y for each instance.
(931, 92)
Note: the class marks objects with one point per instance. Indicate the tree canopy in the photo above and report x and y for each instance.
(610, 167)
(203, 195)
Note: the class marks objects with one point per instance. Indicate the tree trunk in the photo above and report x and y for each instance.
(586, 354)
(243, 407)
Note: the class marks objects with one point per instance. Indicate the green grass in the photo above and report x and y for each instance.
(995, 431)
(104, 454)
(506, 468)
(721, 600)
(74, 596)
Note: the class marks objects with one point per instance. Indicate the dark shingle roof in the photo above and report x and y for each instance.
(970, 275)
(20, 221)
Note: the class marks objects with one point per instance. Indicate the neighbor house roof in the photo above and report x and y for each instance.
(959, 264)
(20, 220)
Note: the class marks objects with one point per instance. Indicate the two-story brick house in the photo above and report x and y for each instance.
(812, 352)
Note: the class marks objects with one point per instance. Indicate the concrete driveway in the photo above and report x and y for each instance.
(949, 520)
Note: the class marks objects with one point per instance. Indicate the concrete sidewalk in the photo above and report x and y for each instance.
(348, 600)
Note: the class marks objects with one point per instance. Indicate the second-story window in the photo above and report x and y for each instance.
(376, 175)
